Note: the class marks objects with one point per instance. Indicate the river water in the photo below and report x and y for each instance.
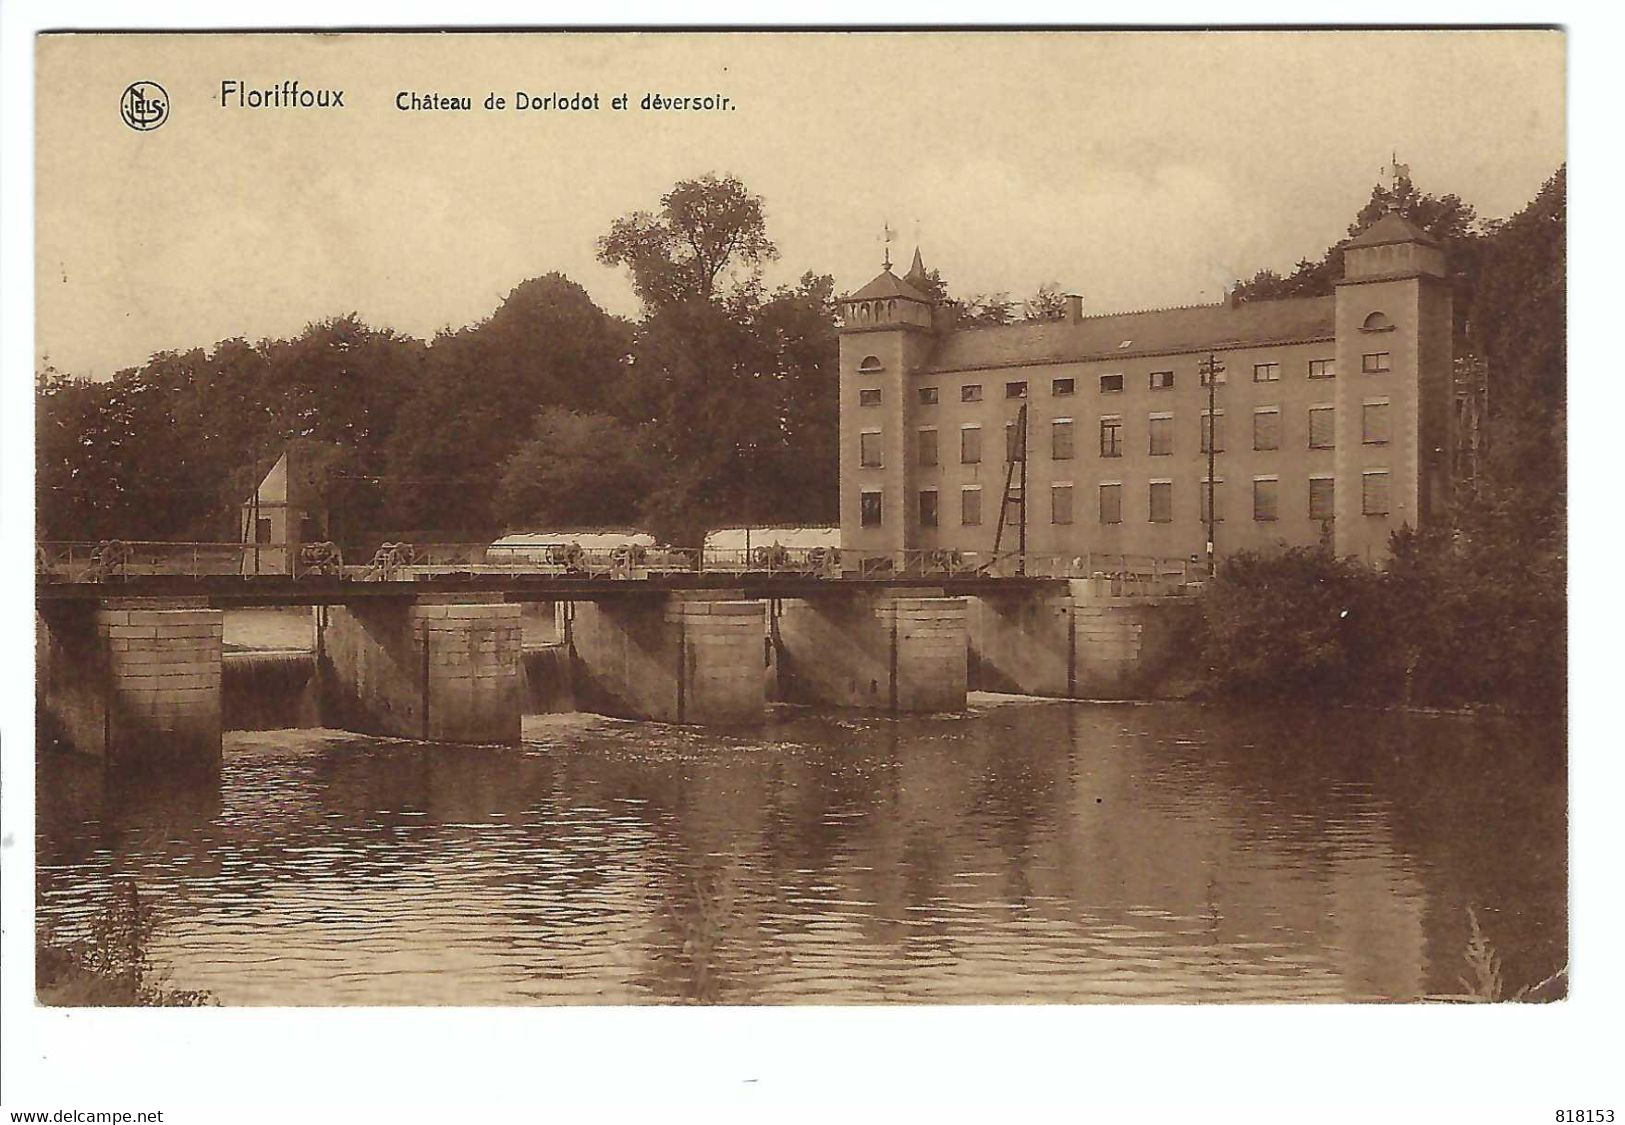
(1026, 851)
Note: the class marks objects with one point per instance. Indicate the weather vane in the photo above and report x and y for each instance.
(886, 236)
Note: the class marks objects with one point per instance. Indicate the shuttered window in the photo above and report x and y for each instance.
(928, 447)
(1264, 499)
(1162, 501)
(869, 450)
(970, 506)
(1014, 445)
(1374, 423)
(1162, 435)
(1212, 433)
(1111, 503)
(1322, 498)
(1218, 501)
(1060, 439)
(1267, 429)
(970, 445)
(928, 507)
(1060, 503)
(1322, 427)
(1374, 493)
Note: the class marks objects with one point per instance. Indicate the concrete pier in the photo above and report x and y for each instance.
(675, 658)
(1080, 642)
(445, 671)
(134, 683)
(897, 653)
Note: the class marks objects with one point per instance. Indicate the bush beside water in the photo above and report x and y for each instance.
(1472, 616)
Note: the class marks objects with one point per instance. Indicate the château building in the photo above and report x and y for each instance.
(1332, 418)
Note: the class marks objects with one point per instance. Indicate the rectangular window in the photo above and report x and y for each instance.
(1322, 427)
(1203, 376)
(1162, 380)
(1212, 433)
(1015, 390)
(869, 449)
(1060, 503)
(1162, 435)
(970, 392)
(928, 507)
(970, 506)
(1111, 437)
(1266, 372)
(262, 529)
(1322, 498)
(1111, 382)
(869, 396)
(1218, 501)
(1323, 369)
(1374, 423)
(1162, 501)
(1374, 362)
(1060, 439)
(1267, 429)
(871, 509)
(970, 445)
(928, 446)
(1374, 492)
(1063, 386)
(1015, 444)
(1265, 491)
(928, 396)
(1111, 503)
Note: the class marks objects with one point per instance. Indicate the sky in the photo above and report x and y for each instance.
(1141, 169)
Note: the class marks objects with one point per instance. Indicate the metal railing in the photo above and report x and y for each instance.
(1120, 575)
(115, 561)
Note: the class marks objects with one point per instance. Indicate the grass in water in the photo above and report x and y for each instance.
(1483, 983)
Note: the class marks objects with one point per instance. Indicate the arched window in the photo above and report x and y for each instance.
(1377, 322)
(871, 364)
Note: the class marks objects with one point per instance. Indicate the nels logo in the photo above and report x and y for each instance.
(145, 106)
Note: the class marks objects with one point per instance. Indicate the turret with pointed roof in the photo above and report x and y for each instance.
(916, 275)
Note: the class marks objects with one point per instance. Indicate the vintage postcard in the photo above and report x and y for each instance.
(800, 518)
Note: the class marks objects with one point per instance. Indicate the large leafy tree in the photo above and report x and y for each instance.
(737, 386)
(706, 230)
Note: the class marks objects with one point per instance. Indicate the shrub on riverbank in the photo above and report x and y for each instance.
(1474, 615)
(109, 967)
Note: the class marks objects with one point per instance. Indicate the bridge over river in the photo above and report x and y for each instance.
(425, 642)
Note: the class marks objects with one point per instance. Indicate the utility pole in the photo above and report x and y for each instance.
(1021, 449)
(1211, 369)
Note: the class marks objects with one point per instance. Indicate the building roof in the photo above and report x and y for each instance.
(1153, 332)
(1391, 228)
(887, 285)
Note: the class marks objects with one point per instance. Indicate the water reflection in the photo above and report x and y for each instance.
(1024, 852)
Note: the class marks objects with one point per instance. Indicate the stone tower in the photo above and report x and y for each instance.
(1394, 387)
(885, 334)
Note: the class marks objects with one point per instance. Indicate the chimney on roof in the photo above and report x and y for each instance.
(1074, 308)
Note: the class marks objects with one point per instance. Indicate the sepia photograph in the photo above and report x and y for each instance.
(799, 518)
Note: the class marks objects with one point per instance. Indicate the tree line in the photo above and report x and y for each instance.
(718, 404)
